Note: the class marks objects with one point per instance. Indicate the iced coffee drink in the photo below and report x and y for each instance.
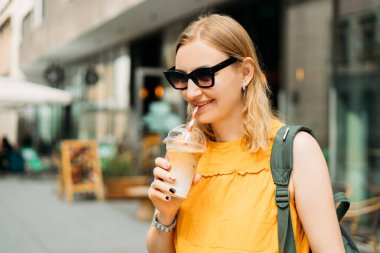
(184, 149)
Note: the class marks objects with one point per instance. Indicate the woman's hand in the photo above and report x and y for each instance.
(161, 192)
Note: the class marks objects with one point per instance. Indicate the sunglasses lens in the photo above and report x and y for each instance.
(204, 77)
(177, 79)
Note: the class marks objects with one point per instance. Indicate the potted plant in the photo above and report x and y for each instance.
(119, 173)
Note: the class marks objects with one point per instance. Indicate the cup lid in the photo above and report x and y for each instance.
(181, 135)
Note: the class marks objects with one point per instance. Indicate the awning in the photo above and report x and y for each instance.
(14, 92)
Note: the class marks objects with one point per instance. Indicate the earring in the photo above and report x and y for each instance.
(244, 88)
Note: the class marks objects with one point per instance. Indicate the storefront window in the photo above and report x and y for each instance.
(357, 86)
(367, 24)
(100, 107)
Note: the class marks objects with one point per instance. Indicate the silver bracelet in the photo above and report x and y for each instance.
(162, 227)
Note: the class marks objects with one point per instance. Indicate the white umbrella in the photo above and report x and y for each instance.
(15, 92)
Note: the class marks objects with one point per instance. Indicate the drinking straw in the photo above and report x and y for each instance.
(190, 125)
(192, 121)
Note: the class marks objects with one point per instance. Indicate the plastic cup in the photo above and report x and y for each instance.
(184, 149)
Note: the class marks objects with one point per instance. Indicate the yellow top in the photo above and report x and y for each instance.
(232, 208)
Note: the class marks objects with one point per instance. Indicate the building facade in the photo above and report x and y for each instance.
(12, 14)
(357, 89)
(320, 56)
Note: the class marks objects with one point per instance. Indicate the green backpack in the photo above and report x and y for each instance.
(281, 165)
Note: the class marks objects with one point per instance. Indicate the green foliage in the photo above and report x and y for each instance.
(120, 165)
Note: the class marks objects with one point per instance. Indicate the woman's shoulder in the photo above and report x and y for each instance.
(304, 140)
(306, 148)
(308, 161)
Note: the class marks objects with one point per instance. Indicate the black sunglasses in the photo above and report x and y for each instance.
(203, 77)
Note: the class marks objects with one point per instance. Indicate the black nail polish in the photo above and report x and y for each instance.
(172, 190)
(167, 197)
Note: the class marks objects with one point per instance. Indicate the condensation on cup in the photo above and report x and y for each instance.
(184, 149)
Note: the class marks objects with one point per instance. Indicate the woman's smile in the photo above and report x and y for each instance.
(203, 104)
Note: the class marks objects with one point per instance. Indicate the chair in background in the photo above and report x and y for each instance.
(146, 209)
(364, 220)
(34, 165)
(373, 189)
(341, 187)
(16, 162)
(33, 161)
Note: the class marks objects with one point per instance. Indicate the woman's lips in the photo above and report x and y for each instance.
(203, 105)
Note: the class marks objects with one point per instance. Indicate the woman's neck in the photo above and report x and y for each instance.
(227, 131)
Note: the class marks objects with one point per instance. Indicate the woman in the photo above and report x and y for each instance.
(231, 205)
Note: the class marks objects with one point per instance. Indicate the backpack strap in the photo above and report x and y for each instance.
(344, 204)
(341, 210)
(281, 164)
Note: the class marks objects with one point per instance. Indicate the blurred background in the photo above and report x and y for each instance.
(102, 62)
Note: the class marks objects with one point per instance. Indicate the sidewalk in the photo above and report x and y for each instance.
(33, 219)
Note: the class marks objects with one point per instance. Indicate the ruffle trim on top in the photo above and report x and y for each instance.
(229, 158)
(232, 172)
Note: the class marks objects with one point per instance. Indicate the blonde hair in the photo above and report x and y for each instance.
(225, 34)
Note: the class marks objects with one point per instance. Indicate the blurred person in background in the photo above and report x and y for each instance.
(5, 154)
(231, 206)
